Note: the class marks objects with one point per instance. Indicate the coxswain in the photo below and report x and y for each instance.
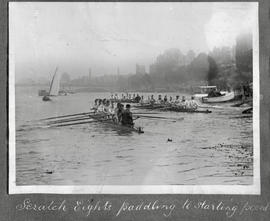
(127, 119)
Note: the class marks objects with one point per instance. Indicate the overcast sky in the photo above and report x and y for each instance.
(101, 36)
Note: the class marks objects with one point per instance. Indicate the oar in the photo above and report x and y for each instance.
(69, 115)
(146, 112)
(154, 117)
(69, 120)
(84, 122)
(87, 116)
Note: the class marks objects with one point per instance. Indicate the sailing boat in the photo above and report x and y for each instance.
(54, 87)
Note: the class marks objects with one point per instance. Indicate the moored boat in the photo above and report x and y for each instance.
(203, 91)
(227, 96)
(210, 94)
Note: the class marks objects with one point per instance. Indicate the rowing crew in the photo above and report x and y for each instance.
(126, 96)
(183, 103)
(118, 114)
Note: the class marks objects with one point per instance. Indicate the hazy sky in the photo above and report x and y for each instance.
(76, 36)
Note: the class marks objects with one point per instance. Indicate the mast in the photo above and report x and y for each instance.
(52, 81)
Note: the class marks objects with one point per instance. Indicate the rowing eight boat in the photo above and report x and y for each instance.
(171, 108)
(102, 119)
(185, 110)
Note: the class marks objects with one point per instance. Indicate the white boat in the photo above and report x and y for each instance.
(203, 95)
(204, 91)
(54, 87)
(226, 96)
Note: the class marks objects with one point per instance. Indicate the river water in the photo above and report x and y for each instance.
(214, 148)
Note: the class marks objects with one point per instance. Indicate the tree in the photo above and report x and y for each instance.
(213, 70)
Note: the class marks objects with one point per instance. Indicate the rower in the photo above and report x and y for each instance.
(177, 101)
(95, 105)
(183, 102)
(127, 119)
(152, 99)
(115, 116)
(148, 99)
(111, 111)
(159, 101)
(119, 112)
(100, 106)
(165, 99)
(137, 98)
(142, 100)
(193, 104)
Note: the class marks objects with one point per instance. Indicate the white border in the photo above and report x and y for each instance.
(255, 188)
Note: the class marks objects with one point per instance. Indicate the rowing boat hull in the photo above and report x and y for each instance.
(174, 109)
(124, 101)
(116, 125)
(150, 106)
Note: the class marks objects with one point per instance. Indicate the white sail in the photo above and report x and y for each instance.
(55, 84)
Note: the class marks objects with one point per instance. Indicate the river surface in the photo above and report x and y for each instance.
(214, 148)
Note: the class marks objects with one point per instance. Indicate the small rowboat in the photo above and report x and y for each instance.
(101, 118)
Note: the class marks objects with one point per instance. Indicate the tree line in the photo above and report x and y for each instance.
(225, 67)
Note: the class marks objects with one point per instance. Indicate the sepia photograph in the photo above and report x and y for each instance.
(134, 97)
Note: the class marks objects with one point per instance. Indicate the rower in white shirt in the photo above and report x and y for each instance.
(193, 104)
(177, 101)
